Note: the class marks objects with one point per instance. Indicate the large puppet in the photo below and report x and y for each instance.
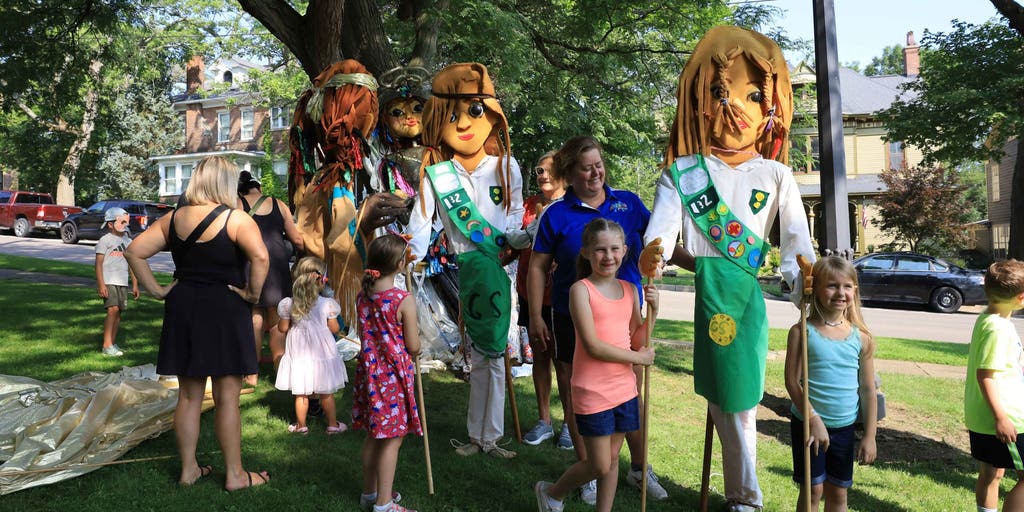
(473, 186)
(329, 174)
(400, 130)
(725, 182)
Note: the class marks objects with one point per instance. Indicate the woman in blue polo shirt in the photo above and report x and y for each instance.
(559, 239)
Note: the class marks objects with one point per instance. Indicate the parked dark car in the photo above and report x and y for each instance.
(89, 224)
(916, 278)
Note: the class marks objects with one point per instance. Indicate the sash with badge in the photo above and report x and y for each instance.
(484, 286)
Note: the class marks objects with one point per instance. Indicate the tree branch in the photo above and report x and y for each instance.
(1014, 13)
(285, 24)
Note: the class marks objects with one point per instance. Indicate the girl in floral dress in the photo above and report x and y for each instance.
(384, 399)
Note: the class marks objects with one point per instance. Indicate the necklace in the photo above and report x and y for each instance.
(833, 324)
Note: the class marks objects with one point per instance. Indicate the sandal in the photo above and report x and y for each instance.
(338, 428)
(294, 428)
(263, 476)
(203, 471)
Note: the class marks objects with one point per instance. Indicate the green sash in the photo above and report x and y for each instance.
(731, 336)
(484, 288)
(737, 243)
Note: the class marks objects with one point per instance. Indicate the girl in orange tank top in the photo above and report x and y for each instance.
(609, 341)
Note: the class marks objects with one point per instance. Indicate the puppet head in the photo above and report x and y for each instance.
(332, 121)
(402, 100)
(464, 121)
(734, 94)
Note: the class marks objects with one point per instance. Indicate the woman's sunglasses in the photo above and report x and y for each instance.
(537, 171)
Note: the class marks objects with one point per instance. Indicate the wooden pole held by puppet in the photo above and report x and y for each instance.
(511, 392)
(650, 260)
(419, 392)
(806, 282)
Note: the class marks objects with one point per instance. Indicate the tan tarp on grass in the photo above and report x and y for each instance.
(54, 431)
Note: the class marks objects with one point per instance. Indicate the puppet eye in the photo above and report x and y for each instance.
(718, 92)
(397, 112)
(755, 97)
(453, 118)
(417, 108)
(476, 109)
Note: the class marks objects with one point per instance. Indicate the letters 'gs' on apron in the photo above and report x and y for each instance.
(729, 319)
(484, 287)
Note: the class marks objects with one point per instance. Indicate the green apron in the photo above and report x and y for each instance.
(485, 291)
(731, 336)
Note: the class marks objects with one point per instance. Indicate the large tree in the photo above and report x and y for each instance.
(603, 67)
(889, 63)
(969, 101)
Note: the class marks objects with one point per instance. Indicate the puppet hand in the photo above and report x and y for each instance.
(381, 209)
(807, 283)
(651, 258)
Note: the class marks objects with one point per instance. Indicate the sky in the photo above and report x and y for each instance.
(865, 27)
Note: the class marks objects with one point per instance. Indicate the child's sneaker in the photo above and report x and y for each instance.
(564, 439)
(545, 503)
(539, 433)
(654, 489)
(112, 351)
(588, 492)
(367, 501)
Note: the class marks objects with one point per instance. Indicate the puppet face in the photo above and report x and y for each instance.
(588, 174)
(404, 117)
(743, 92)
(467, 129)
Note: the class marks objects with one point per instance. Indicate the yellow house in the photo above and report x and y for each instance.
(867, 154)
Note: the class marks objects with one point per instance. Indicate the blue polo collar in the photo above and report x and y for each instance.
(609, 195)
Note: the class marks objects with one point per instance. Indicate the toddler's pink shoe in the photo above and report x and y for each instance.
(338, 428)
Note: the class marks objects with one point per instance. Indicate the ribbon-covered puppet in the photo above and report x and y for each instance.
(474, 187)
(400, 130)
(725, 181)
(329, 175)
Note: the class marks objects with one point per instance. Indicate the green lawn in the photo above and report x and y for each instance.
(54, 331)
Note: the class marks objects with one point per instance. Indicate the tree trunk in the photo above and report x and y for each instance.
(1016, 245)
(66, 180)
(427, 28)
(363, 37)
(1014, 13)
(314, 38)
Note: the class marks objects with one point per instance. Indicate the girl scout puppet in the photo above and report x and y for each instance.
(724, 182)
(473, 186)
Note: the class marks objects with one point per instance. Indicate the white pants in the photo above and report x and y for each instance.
(737, 432)
(485, 418)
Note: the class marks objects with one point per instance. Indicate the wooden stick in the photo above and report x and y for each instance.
(645, 431)
(512, 396)
(423, 423)
(805, 304)
(705, 473)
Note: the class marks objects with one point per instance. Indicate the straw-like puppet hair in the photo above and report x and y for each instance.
(464, 81)
(716, 51)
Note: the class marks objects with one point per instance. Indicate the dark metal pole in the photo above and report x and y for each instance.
(836, 214)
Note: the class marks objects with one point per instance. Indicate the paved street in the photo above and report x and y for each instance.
(895, 323)
(51, 248)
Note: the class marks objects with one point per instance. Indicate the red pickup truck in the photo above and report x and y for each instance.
(25, 212)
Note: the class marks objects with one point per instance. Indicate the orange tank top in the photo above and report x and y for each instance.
(602, 385)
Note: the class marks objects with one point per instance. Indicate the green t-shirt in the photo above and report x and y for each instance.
(995, 346)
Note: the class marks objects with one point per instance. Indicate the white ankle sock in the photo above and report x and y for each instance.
(983, 509)
(368, 497)
(385, 508)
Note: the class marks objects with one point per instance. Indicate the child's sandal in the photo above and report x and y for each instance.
(294, 428)
(338, 428)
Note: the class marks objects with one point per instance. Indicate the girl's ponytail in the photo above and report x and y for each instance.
(308, 280)
(384, 256)
(370, 276)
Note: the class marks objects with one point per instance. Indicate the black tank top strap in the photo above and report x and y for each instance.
(245, 204)
(201, 227)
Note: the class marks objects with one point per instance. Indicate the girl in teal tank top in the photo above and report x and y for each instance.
(840, 382)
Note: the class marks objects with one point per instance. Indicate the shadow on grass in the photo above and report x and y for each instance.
(898, 450)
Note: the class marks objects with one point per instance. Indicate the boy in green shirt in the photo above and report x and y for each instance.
(994, 390)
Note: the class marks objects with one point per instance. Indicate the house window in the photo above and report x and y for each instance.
(247, 124)
(228, 77)
(223, 126)
(993, 179)
(174, 178)
(278, 118)
(281, 167)
(897, 160)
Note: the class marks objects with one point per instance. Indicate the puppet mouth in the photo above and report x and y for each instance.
(468, 136)
(411, 123)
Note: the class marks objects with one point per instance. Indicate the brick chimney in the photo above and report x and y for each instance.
(911, 56)
(194, 72)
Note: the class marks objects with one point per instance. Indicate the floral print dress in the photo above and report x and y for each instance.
(384, 398)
